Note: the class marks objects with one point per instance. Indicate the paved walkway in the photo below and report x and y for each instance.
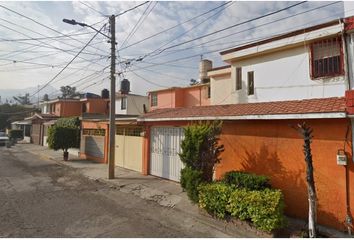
(164, 192)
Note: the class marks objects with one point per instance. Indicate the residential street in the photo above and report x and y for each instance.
(39, 198)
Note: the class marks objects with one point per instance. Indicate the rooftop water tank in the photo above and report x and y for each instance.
(204, 66)
(124, 86)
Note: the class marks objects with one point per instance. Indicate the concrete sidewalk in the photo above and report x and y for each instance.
(164, 192)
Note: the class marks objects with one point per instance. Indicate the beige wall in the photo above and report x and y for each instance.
(128, 152)
(282, 75)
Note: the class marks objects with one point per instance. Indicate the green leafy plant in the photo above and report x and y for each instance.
(200, 153)
(190, 180)
(246, 180)
(263, 208)
(214, 198)
(64, 134)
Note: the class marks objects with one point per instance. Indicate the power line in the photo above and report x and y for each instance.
(66, 51)
(90, 7)
(131, 9)
(168, 29)
(42, 38)
(67, 64)
(144, 79)
(136, 25)
(184, 33)
(227, 28)
(41, 24)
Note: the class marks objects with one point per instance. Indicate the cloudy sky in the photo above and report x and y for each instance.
(159, 43)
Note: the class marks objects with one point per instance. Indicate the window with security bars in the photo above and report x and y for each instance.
(327, 58)
(250, 83)
(123, 103)
(94, 132)
(129, 131)
(153, 99)
(238, 78)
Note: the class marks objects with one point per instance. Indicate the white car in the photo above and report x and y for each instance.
(3, 138)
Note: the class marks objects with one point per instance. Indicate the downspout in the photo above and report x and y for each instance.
(345, 52)
(348, 218)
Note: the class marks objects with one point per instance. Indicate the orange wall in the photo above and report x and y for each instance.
(97, 125)
(274, 149)
(68, 109)
(97, 106)
(182, 97)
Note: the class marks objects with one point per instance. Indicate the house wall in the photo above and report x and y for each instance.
(135, 104)
(118, 107)
(282, 75)
(96, 106)
(273, 148)
(196, 96)
(96, 125)
(69, 109)
(165, 99)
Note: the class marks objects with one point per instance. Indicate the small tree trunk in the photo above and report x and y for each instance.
(66, 155)
(306, 133)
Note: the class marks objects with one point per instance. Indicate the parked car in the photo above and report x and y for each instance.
(3, 139)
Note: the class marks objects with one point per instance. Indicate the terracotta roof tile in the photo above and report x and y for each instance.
(320, 105)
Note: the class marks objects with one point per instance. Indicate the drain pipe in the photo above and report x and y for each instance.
(348, 218)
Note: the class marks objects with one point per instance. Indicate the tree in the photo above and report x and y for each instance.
(23, 100)
(306, 133)
(64, 134)
(45, 97)
(68, 91)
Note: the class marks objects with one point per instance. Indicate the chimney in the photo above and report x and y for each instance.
(204, 66)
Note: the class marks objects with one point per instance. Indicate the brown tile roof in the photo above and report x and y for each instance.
(320, 105)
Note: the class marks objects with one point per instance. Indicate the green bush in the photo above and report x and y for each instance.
(62, 138)
(246, 180)
(214, 198)
(16, 134)
(264, 208)
(71, 122)
(190, 180)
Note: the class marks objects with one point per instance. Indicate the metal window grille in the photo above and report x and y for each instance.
(129, 131)
(238, 78)
(94, 132)
(250, 80)
(327, 58)
(153, 99)
(123, 103)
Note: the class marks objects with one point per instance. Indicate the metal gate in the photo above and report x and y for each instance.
(94, 146)
(164, 148)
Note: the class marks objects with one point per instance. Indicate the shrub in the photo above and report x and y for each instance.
(16, 134)
(214, 198)
(190, 180)
(264, 208)
(246, 180)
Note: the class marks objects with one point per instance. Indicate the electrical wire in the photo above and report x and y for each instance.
(46, 84)
(95, 10)
(173, 27)
(226, 28)
(131, 9)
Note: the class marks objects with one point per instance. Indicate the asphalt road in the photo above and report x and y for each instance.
(39, 198)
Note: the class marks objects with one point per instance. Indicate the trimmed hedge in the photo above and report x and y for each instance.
(214, 198)
(264, 208)
(246, 180)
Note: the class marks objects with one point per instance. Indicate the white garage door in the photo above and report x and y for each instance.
(165, 146)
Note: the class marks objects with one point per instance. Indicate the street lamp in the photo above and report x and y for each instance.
(112, 112)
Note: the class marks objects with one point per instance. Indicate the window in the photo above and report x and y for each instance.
(250, 83)
(123, 103)
(238, 78)
(153, 99)
(209, 91)
(327, 58)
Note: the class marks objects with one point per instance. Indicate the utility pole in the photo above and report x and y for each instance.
(112, 112)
